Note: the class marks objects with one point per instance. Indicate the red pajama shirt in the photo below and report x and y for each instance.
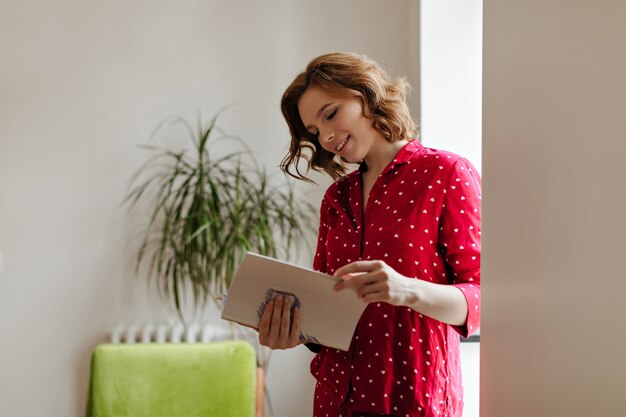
(423, 219)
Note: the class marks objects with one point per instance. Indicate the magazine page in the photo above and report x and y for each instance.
(327, 317)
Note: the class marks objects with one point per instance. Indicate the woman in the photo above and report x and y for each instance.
(403, 230)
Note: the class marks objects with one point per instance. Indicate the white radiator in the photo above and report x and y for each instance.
(173, 333)
(194, 333)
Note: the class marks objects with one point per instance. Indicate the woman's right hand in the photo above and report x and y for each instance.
(277, 330)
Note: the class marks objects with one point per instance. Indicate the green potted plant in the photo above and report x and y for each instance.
(207, 210)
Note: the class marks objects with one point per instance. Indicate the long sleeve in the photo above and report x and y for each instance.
(319, 262)
(460, 237)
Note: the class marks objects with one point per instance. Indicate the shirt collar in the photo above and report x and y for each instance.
(403, 156)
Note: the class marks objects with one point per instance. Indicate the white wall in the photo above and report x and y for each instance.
(554, 168)
(451, 76)
(451, 108)
(81, 83)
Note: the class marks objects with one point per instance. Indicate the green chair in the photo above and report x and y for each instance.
(173, 380)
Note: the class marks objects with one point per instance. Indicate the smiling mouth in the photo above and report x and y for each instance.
(342, 144)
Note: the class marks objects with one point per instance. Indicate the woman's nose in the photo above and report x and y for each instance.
(326, 136)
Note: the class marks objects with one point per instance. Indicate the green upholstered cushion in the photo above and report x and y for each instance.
(173, 380)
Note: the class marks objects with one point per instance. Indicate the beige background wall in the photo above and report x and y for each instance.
(554, 228)
(81, 83)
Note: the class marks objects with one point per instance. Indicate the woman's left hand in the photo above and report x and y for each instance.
(376, 281)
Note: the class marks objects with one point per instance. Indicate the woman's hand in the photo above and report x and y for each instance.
(277, 330)
(376, 281)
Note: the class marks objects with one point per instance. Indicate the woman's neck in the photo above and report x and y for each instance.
(381, 154)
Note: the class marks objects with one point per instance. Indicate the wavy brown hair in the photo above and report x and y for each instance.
(344, 75)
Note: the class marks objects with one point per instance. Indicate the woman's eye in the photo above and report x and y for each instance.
(331, 115)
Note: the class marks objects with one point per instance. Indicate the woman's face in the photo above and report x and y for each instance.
(338, 122)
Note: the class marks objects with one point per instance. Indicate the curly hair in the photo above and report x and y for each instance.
(344, 75)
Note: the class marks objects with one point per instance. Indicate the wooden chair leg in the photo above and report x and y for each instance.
(260, 392)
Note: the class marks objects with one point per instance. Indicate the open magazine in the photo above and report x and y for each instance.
(327, 317)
